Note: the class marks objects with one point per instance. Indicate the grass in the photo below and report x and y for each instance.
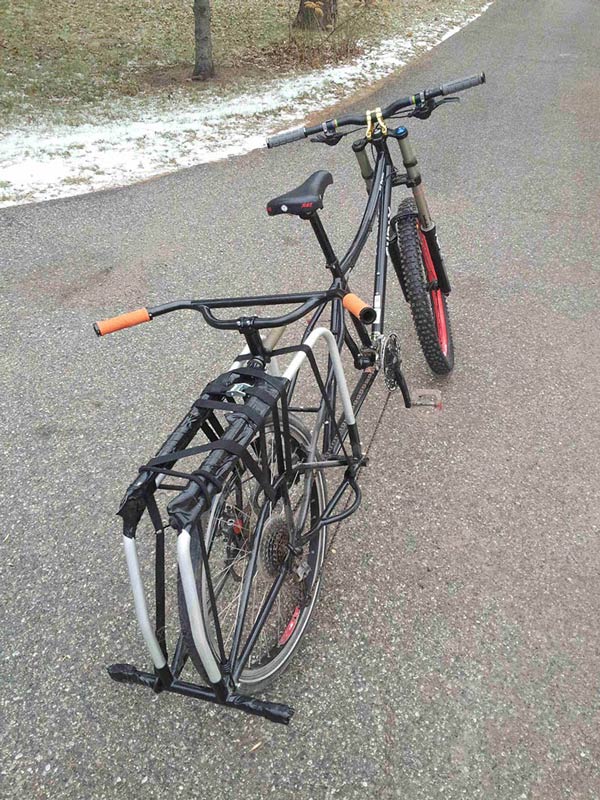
(67, 54)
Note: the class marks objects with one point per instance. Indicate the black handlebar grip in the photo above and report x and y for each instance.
(286, 137)
(466, 83)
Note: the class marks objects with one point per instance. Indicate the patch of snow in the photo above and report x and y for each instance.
(48, 161)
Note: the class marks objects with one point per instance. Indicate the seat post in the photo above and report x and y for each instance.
(323, 240)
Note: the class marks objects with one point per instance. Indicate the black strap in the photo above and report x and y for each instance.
(190, 476)
(221, 444)
(159, 572)
(204, 402)
(239, 408)
(219, 386)
(228, 445)
(154, 513)
(253, 372)
(285, 430)
(261, 394)
(293, 348)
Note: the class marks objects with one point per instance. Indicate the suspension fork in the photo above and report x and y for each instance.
(426, 223)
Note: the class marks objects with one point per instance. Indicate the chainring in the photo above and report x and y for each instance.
(389, 355)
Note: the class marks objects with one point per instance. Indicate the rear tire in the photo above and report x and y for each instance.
(298, 595)
(429, 307)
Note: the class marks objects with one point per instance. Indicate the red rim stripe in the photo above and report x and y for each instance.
(437, 300)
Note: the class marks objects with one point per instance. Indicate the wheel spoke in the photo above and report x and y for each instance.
(230, 551)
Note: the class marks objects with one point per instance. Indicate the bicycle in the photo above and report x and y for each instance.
(252, 518)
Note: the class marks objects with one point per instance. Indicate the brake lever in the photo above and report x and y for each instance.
(327, 138)
(425, 111)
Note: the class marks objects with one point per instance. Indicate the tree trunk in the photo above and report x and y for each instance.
(203, 65)
(307, 18)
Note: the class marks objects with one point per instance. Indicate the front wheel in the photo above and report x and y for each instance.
(428, 305)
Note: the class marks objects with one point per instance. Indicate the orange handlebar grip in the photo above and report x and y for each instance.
(122, 321)
(359, 309)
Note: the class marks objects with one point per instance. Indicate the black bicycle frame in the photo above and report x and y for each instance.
(378, 204)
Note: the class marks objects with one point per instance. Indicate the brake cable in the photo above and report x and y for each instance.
(332, 139)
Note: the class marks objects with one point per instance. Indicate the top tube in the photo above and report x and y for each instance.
(349, 260)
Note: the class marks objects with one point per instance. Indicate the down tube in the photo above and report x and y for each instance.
(381, 260)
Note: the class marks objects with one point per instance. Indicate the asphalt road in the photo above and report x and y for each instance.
(455, 651)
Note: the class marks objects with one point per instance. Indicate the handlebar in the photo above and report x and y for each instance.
(127, 320)
(286, 137)
(308, 301)
(462, 85)
(296, 134)
(260, 322)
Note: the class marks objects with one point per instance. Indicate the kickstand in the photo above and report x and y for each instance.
(428, 397)
(401, 381)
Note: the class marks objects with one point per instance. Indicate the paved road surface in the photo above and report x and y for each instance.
(456, 650)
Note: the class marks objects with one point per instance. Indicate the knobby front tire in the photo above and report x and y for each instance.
(428, 306)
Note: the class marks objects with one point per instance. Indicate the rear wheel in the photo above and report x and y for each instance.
(428, 305)
(238, 515)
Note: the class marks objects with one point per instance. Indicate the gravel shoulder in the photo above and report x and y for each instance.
(72, 145)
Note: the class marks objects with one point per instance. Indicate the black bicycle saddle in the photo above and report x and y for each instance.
(303, 200)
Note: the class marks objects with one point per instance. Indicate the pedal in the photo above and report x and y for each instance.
(124, 673)
(428, 397)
